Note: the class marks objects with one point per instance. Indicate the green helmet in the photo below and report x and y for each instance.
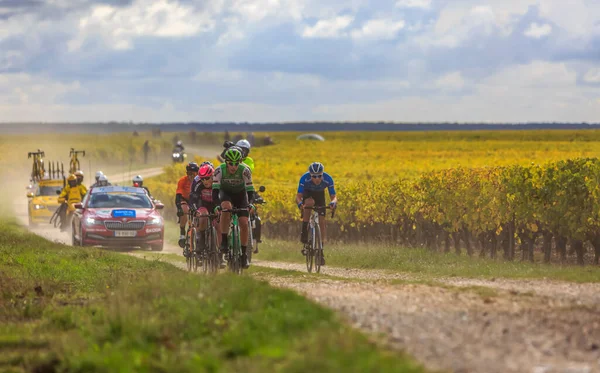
(233, 155)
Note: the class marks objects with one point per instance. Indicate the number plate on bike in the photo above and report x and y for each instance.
(125, 233)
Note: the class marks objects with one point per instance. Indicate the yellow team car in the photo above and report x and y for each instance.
(43, 201)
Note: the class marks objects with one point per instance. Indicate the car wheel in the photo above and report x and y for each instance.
(158, 247)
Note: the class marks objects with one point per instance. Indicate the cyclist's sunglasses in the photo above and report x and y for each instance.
(205, 178)
(317, 176)
(233, 163)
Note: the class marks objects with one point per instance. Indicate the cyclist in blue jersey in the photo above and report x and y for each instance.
(311, 192)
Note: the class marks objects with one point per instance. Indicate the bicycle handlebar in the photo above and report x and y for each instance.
(235, 211)
(320, 208)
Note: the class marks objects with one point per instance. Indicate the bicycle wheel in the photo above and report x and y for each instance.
(193, 245)
(310, 254)
(237, 250)
(213, 253)
(206, 251)
(318, 248)
(250, 243)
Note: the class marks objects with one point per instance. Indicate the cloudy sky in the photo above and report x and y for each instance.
(284, 60)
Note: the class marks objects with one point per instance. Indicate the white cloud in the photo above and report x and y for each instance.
(24, 89)
(592, 76)
(162, 18)
(378, 29)
(424, 4)
(537, 31)
(328, 28)
(451, 82)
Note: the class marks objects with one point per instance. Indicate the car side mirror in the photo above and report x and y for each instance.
(78, 206)
(30, 195)
(262, 188)
(159, 206)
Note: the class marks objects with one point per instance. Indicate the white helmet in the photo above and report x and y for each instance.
(245, 145)
(102, 180)
(98, 174)
(138, 180)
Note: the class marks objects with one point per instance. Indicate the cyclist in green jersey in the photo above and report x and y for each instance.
(232, 188)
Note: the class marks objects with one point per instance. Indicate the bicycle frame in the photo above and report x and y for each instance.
(234, 242)
(314, 246)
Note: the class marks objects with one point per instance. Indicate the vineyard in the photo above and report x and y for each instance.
(484, 192)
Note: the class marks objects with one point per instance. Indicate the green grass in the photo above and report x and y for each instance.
(87, 310)
(425, 263)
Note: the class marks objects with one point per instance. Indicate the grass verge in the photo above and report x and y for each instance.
(427, 264)
(88, 310)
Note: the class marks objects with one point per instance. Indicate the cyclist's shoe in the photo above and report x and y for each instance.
(222, 263)
(303, 251)
(256, 250)
(322, 260)
(181, 241)
(245, 263)
(186, 252)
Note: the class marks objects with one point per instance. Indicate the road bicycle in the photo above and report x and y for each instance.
(37, 170)
(314, 246)
(74, 163)
(192, 258)
(210, 255)
(234, 255)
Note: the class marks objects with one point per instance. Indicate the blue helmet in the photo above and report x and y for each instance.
(316, 168)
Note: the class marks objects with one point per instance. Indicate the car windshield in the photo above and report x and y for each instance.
(119, 200)
(47, 190)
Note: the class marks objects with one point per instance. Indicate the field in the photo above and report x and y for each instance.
(481, 191)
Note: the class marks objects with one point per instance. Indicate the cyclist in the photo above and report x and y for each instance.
(232, 187)
(311, 192)
(182, 196)
(71, 194)
(79, 175)
(201, 200)
(245, 146)
(138, 182)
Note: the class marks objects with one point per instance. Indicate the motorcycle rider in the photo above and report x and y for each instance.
(73, 193)
(79, 175)
(138, 182)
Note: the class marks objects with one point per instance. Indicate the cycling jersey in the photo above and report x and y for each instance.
(184, 186)
(306, 184)
(249, 162)
(239, 181)
(200, 196)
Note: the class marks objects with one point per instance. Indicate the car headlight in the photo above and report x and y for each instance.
(175, 154)
(39, 207)
(155, 221)
(91, 221)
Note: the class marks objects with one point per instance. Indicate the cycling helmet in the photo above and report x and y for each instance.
(98, 174)
(192, 167)
(138, 181)
(179, 143)
(79, 173)
(72, 180)
(316, 168)
(233, 154)
(245, 146)
(206, 171)
(102, 180)
(208, 163)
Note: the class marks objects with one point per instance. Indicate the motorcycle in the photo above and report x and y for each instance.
(178, 156)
